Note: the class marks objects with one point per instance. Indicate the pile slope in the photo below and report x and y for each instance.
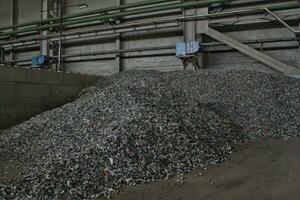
(141, 126)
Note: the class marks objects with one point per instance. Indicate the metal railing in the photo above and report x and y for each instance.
(296, 32)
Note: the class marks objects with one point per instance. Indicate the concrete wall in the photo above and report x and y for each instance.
(223, 61)
(131, 60)
(25, 93)
(30, 10)
(5, 12)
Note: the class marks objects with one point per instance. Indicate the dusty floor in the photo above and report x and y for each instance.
(262, 171)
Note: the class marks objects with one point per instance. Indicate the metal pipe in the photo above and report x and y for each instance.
(286, 6)
(185, 5)
(146, 23)
(211, 44)
(256, 41)
(2, 55)
(106, 58)
(249, 3)
(111, 52)
(32, 42)
(215, 44)
(120, 51)
(151, 55)
(81, 14)
(282, 22)
(59, 67)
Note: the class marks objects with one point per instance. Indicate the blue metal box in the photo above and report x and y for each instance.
(187, 49)
(39, 60)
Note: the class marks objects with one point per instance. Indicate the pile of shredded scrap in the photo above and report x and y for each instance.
(141, 126)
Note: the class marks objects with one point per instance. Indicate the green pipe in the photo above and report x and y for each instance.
(185, 5)
(285, 6)
(142, 11)
(89, 16)
(170, 7)
(198, 17)
(116, 8)
(102, 10)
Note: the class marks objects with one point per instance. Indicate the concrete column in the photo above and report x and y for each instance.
(53, 46)
(299, 36)
(194, 31)
(61, 66)
(299, 29)
(118, 44)
(201, 29)
(189, 26)
(118, 56)
(14, 20)
(2, 55)
(45, 10)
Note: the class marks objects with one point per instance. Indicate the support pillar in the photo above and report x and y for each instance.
(118, 44)
(194, 31)
(299, 30)
(14, 20)
(118, 56)
(299, 36)
(53, 45)
(201, 29)
(45, 10)
(60, 63)
(2, 55)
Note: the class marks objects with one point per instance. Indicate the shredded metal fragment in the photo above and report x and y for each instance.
(137, 127)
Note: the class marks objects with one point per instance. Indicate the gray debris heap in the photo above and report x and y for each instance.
(137, 127)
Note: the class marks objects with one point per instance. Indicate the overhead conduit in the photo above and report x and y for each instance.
(83, 14)
(143, 23)
(89, 19)
(186, 5)
(203, 3)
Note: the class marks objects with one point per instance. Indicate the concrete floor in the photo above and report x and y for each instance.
(261, 171)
